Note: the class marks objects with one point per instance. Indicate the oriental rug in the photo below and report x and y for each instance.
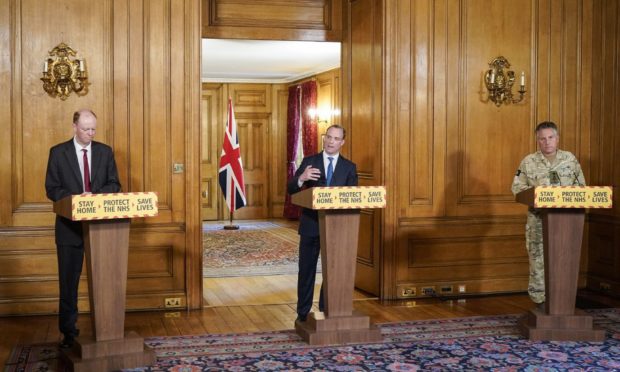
(257, 248)
(482, 343)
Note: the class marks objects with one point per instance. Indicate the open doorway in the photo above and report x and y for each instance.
(256, 75)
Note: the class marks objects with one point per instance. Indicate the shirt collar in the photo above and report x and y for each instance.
(80, 147)
(335, 156)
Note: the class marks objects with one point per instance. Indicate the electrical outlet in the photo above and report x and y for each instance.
(604, 286)
(172, 302)
(428, 291)
(408, 292)
(445, 289)
(462, 288)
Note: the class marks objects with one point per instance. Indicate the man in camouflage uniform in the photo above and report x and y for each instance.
(546, 167)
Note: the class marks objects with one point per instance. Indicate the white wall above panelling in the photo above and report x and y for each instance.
(261, 61)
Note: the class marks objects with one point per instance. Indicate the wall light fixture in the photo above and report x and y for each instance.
(499, 81)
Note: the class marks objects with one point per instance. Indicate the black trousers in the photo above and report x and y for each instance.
(309, 249)
(70, 259)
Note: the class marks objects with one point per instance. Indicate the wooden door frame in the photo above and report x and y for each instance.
(197, 27)
(193, 225)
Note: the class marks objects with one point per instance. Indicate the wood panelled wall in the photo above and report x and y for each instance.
(414, 105)
(412, 100)
(604, 226)
(362, 111)
(316, 20)
(143, 65)
(329, 98)
(451, 157)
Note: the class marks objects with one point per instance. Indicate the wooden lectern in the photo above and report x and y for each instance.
(339, 217)
(106, 219)
(563, 212)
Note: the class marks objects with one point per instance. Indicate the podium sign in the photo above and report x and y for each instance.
(343, 197)
(573, 197)
(339, 216)
(90, 207)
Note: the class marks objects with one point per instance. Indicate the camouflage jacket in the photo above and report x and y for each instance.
(536, 170)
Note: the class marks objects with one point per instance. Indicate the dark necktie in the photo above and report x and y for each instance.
(330, 170)
(86, 172)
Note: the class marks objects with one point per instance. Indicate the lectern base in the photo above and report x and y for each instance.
(538, 326)
(89, 355)
(318, 330)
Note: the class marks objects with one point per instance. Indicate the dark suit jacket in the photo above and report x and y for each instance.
(345, 174)
(63, 178)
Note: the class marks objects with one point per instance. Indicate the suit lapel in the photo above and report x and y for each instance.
(72, 160)
(95, 158)
(318, 163)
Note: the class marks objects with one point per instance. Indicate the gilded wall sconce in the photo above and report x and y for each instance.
(499, 81)
(63, 73)
(323, 115)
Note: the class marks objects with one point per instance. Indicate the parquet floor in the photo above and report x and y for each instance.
(258, 290)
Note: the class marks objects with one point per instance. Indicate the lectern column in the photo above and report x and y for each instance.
(562, 255)
(339, 232)
(106, 245)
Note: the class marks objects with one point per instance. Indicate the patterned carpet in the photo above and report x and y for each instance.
(490, 343)
(257, 248)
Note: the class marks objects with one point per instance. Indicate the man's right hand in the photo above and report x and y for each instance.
(310, 174)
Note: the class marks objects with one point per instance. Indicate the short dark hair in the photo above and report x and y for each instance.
(547, 125)
(77, 114)
(337, 126)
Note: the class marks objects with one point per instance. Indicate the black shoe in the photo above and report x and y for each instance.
(301, 318)
(67, 342)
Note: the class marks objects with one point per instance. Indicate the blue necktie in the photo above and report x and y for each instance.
(330, 170)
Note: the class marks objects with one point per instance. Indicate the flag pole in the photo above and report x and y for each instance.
(231, 226)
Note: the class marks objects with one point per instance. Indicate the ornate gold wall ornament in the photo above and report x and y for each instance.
(499, 82)
(63, 74)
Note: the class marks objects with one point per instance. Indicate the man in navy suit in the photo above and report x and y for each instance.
(327, 168)
(77, 166)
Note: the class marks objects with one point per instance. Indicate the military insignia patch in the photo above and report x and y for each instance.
(554, 178)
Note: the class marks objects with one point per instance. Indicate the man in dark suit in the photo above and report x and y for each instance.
(77, 166)
(327, 168)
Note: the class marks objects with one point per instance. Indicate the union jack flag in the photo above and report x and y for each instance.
(231, 167)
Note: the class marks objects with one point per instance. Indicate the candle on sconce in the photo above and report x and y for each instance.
(522, 80)
(81, 65)
(45, 67)
(493, 76)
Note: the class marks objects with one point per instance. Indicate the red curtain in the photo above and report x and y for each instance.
(292, 132)
(310, 130)
(301, 98)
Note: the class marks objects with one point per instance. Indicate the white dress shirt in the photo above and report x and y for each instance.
(80, 156)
